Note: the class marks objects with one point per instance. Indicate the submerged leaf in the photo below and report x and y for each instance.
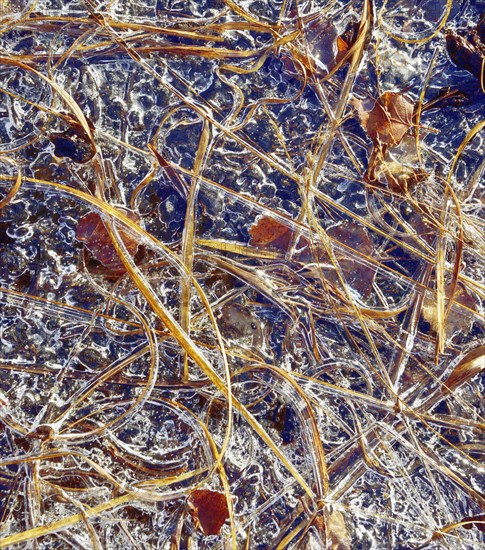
(321, 36)
(209, 510)
(338, 532)
(458, 318)
(92, 231)
(358, 275)
(399, 177)
(270, 231)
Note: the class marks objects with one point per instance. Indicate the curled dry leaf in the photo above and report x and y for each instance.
(209, 510)
(389, 119)
(467, 368)
(93, 233)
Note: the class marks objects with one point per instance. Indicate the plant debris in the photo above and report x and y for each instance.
(92, 231)
(209, 510)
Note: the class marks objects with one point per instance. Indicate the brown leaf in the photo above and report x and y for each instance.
(321, 36)
(467, 368)
(209, 510)
(270, 231)
(389, 119)
(475, 521)
(347, 39)
(358, 274)
(92, 231)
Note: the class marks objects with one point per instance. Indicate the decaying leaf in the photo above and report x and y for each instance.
(323, 47)
(475, 521)
(93, 233)
(389, 119)
(321, 36)
(358, 274)
(270, 231)
(209, 510)
(347, 39)
(467, 368)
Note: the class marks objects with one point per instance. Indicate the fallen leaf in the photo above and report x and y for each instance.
(321, 36)
(270, 231)
(358, 275)
(93, 233)
(467, 368)
(209, 510)
(475, 521)
(389, 119)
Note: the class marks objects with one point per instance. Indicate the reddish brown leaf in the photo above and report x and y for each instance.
(209, 510)
(347, 39)
(270, 231)
(467, 368)
(92, 231)
(390, 118)
(475, 521)
(358, 274)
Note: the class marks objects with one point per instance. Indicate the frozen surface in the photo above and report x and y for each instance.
(259, 302)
